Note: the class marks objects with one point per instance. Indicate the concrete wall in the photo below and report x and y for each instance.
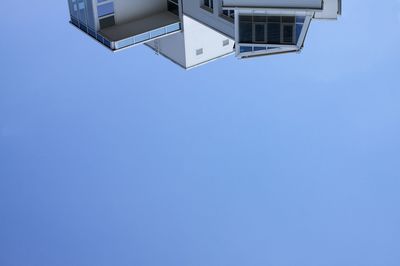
(315, 4)
(331, 10)
(172, 46)
(128, 10)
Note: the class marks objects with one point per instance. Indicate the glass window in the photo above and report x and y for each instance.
(229, 14)
(107, 22)
(261, 48)
(270, 29)
(299, 28)
(259, 32)
(106, 9)
(173, 27)
(208, 4)
(274, 33)
(124, 43)
(246, 49)
(142, 37)
(173, 7)
(288, 33)
(245, 29)
(158, 32)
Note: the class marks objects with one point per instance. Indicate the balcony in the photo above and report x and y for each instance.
(131, 22)
(142, 30)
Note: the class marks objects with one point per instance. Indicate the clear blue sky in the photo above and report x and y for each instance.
(125, 159)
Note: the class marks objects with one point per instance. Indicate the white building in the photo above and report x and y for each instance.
(194, 32)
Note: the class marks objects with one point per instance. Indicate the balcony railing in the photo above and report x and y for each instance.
(147, 36)
(90, 32)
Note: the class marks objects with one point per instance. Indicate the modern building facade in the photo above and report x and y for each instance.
(194, 32)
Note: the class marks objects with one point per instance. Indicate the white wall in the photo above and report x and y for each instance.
(192, 8)
(199, 36)
(181, 47)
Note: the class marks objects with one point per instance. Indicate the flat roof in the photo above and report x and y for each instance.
(136, 27)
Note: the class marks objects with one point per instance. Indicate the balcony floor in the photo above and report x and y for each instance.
(136, 27)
